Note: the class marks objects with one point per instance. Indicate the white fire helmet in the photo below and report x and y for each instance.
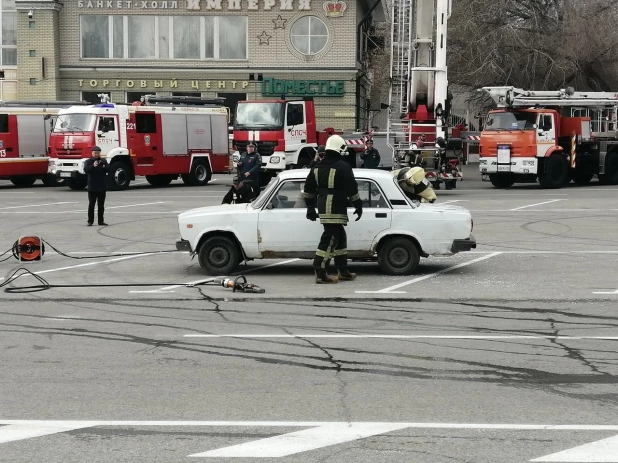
(336, 143)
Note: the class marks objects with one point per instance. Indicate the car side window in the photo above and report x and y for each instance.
(289, 196)
(370, 194)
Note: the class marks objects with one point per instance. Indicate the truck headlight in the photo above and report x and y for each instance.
(275, 159)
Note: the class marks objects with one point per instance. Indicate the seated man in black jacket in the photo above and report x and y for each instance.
(241, 192)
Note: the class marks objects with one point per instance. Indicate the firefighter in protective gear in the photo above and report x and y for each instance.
(414, 184)
(332, 183)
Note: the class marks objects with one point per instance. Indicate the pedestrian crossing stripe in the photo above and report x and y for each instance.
(318, 435)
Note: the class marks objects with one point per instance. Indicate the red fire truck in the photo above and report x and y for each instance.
(160, 138)
(285, 133)
(24, 136)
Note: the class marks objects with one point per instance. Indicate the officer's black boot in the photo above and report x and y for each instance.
(321, 277)
(346, 275)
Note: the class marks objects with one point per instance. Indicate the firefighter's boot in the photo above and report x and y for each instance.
(321, 278)
(346, 275)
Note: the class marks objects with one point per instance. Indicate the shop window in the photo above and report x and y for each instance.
(92, 97)
(132, 97)
(231, 100)
(164, 37)
(145, 123)
(4, 123)
(309, 35)
(192, 94)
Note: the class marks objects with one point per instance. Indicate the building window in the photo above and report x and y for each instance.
(309, 35)
(189, 94)
(9, 34)
(93, 97)
(132, 97)
(164, 37)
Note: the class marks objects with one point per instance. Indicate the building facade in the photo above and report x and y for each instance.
(238, 49)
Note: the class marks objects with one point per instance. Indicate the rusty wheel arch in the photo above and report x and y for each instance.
(401, 235)
(227, 234)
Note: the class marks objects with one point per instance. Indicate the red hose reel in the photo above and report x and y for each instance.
(29, 249)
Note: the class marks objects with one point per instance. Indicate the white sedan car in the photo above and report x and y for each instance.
(393, 229)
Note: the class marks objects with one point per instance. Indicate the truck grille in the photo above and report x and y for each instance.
(264, 148)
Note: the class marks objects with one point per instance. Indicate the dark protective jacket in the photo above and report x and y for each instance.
(332, 183)
(244, 194)
(251, 163)
(97, 176)
(371, 158)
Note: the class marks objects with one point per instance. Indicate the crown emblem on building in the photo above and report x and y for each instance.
(334, 8)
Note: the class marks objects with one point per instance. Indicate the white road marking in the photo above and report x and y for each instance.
(15, 432)
(601, 451)
(431, 275)
(537, 204)
(453, 201)
(303, 441)
(615, 293)
(39, 205)
(405, 336)
(543, 210)
(206, 280)
(89, 264)
(135, 205)
(140, 183)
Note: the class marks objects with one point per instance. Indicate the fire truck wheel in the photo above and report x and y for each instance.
(52, 180)
(23, 181)
(610, 177)
(219, 255)
(398, 256)
(556, 173)
(159, 180)
(200, 174)
(502, 180)
(119, 176)
(77, 184)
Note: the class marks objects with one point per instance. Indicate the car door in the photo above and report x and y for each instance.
(545, 134)
(107, 134)
(282, 223)
(295, 126)
(377, 216)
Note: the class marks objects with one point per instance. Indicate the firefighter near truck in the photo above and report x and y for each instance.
(159, 138)
(24, 136)
(285, 133)
(551, 136)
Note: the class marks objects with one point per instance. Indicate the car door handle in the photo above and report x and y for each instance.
(381, 215)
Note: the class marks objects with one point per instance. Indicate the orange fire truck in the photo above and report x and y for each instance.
(552, 136)
(161, 138)
(24, 136)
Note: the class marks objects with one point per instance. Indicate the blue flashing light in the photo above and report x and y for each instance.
(104, 105)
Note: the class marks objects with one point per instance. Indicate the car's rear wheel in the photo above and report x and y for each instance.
(398, 256)
(219, 255)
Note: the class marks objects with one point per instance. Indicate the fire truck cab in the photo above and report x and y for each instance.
(285, 133)
(160, 138)
(24, 137)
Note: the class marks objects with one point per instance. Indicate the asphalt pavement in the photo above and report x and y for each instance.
(503, 354)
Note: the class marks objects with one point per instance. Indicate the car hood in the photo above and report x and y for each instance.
(207, 211)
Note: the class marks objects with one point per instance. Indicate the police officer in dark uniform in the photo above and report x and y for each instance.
(96, 169)
(250, 164)
(371, 156)
(332, 182)
(240, 193)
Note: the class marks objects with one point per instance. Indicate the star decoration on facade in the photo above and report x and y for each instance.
(280, 22)
(264, 38)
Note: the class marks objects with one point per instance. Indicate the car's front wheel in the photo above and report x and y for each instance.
(398, 256)
(219, 255)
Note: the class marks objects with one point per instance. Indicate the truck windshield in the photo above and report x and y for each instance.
(75, 123)
(507, 120)
(259, 115)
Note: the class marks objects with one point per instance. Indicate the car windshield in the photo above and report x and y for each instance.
(74, 123)
(258, 203)
(259, 115)
(511, 120)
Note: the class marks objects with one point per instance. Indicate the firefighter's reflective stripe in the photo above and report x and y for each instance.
(340, 252)
(331, 178)
(356, 197)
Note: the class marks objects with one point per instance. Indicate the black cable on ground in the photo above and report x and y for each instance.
(44, 285)
(108, 255)
(6, 252)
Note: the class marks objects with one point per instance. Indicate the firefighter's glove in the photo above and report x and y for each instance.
(359, 212)
(312, 214)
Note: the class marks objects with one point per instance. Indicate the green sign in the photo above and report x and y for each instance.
(276, 87)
